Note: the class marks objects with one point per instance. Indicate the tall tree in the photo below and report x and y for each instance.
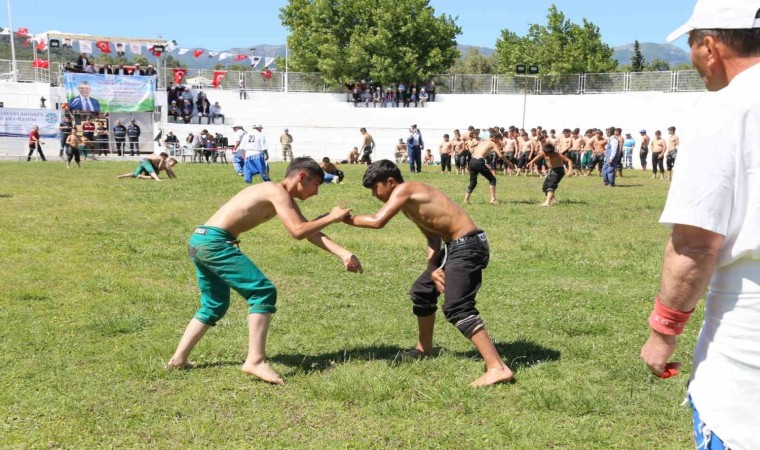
(637, 60)
(379, 40)
(474, 62)
(559, 47)
(657, 65)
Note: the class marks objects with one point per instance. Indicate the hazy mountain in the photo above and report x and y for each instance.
(666, 52)
(464, 50)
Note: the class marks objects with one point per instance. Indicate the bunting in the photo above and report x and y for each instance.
(224, 55)
(267, 74)
(103, 46)
(135, 48)
(255, 61)
(41, 46)
(197, 53)
(85, 46)
(240, 57)
(179, 74)
(218, 77)
(23, 31)
(26, 41)
(40, 64)
(268, 61)
(212, 54)
(182, 51)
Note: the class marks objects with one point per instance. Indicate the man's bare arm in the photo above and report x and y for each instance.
(383, 215)
(291, 217)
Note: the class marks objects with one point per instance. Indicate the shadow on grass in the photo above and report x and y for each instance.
(539, 201)
(519, 354)
(627, 185)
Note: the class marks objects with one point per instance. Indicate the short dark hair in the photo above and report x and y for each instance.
(164, 154)
(380, 171)
(743, 42)
(548, 148)
(671, 128)
(307, 164)
(493, 134)
(446, 136)
(325, 159)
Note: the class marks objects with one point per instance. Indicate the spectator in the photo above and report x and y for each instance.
(286, 140)
(68, 67)
(35, 144)
(187, 113)
(82, 62)
(89, 68)
(133, 134)
(174, 111)
(137, 70)
(400, 93)
(357, 97)
(413, 97)
(429, 159)
(88, 129)
(353, 156)
(390, 98)
(187, 95)
(401, 152)
(414, 145)
(119, 136)
(216, 111)
(65, 126)
(377, 97)
(102, 138)
(150, 71)
(204, 110)
(241, 87)
(430, 88)
(171, 142)
(197, 145)
(332, 173)
(105, 70)
(423, 97)
(121, 70)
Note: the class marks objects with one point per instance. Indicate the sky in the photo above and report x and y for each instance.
(224, 24)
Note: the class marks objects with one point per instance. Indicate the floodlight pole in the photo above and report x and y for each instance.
(525, 101)
(13, 45)
(286, 64)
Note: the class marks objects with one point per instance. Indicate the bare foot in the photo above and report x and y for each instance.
(494, 202)
(415, 353)
(178, 365)
(493, 376)
(263, 371)
(545, 204)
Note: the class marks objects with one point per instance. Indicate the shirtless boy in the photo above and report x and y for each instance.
(149, 168)
(220, 265)
(577, 143)
(368, 144)
(598, 144)
(445, 150)
(644, 151)
(455, 271)
(658, 153)
(353, 156)
(670, 157)
(555, 166)
(332, 173)
(478, 165)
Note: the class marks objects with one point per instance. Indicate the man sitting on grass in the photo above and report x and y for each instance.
(149, 168)
(220, 265)
(457, 254)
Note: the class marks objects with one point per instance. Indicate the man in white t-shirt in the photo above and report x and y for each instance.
(238, 158)
(713, 210)
(256, 155)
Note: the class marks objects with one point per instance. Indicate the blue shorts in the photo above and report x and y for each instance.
(256, 165)
(703, 437)
(237, 163)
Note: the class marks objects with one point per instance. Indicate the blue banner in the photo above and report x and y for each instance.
(110, 93)
(19, 122)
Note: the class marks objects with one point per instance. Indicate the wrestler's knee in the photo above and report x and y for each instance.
(264, 300)
(212, 312)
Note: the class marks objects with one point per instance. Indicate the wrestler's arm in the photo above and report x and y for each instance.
(567, 160)
(539, 156)
(319, 239)
(384, 215)
(291, 217)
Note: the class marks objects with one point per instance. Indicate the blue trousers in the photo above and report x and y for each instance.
(415, 158)
(237, 163)
(608, 174)
(256, 165)
(702, 436)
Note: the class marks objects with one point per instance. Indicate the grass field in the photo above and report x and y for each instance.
(97, 289)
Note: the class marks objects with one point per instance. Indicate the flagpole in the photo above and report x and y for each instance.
(13, 45)
(286, 63)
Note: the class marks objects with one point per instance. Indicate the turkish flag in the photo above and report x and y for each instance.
(103, 46)
(267, 74)
(157, 54)
(23, 31)
(179, 74)
(26, 42)
(197, 53)
(240, 57)
(41, 45)
(218, 76)
(40, 64)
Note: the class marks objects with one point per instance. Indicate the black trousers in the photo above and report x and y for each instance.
(464, 262)
(120, 146)
(32, 147)
(102, 147)
(415, 159)
(478, 166)
(657, 162)
(446, 163)
(134, 145)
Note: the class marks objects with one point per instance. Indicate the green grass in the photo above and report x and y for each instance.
(96, 289)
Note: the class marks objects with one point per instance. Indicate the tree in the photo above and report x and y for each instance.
(637, 60)
(657, 65)
(559, 47)
(380, 40)
(475, 63)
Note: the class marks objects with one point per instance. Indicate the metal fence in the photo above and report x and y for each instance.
(589, 83)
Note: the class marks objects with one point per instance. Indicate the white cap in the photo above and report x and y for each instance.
(720, 15)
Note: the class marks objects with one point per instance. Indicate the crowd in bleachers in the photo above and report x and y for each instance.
(85, 64)
(394, 96)
(182, 107)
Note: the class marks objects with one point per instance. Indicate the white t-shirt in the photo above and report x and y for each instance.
(239, 136)
(255, 143)
(716, 187)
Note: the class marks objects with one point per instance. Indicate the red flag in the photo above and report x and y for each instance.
(179, 74)
(104, 46)
(40, 64)
(26, 42)
(197, 53)
(157, 54)
(267, 74)
(41, 45)
(218, 76)
(23, 31)
(240, 57)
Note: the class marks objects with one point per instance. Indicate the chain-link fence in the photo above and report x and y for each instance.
(590, 83)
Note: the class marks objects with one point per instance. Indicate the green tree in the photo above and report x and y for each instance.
(559, 47)
(682, 66)
(657, 65)
(380, 40)
(475, 63)
(637, 60)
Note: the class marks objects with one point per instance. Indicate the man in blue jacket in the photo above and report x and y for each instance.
(414, 147)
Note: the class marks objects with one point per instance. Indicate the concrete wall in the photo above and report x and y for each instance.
(326, 125)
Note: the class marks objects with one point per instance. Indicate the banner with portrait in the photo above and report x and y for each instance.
(110, 93)
(17, 122)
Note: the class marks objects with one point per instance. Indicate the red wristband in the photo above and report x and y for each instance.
(668, 321)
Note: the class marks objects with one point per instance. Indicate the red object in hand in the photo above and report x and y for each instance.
(671, 370)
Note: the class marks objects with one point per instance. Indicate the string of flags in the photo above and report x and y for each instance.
(41, 41)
